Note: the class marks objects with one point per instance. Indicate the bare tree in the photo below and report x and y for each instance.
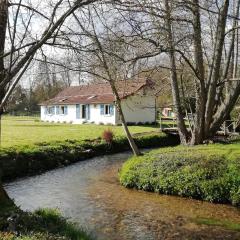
(19, 43)
(204, 36)
(105, 59)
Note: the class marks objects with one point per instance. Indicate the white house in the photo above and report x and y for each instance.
(95, 103)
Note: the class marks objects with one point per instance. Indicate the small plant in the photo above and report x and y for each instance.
(101, 123)
(108, 136)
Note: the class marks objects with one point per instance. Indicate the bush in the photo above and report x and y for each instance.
(210, 173)
(131, 123)
(108, 136)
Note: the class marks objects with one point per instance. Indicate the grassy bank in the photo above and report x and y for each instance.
(210, 173)
(28, 160)
(43, 224)
(29, 130)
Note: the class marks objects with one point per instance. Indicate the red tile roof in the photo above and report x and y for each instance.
(95, 93)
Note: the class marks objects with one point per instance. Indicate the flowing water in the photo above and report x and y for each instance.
(89, 194)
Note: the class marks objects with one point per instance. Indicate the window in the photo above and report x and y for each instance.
(63, 110)
(106, 109)
(50, 110)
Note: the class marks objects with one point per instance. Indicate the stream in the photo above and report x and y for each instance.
(89, 194)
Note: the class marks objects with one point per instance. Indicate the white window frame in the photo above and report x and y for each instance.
(49, 112)
(62, 110)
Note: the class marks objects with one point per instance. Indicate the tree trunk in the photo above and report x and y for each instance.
(3, 27)
(183, 134)
(216, 66)
(3, 194)
(199, 122)
(131, 141)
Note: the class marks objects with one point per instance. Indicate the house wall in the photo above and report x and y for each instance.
(95, 116)
(70, 117)
(136, 109)
(139, 109)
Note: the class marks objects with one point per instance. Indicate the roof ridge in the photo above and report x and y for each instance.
(104, 83)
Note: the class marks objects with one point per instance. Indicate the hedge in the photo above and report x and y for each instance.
(210, 173)
(23, 161)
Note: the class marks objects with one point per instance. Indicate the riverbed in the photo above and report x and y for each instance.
(89, 194)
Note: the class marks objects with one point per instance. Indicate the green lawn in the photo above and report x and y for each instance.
(29, 130)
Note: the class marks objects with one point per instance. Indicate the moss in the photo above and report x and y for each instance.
(210, 173)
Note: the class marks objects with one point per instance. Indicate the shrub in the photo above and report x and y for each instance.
(131, 123)
(208, 173)
(108, 136)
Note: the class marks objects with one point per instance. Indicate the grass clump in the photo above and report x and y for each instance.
(43, 224)
(210, 173)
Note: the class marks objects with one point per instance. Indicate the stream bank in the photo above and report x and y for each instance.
(22, 161)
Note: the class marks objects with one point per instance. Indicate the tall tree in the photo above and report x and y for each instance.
(108, 55)
(204, 37)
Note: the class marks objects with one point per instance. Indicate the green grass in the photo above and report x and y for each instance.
(221, 223)
(210, 173)
(43, 224)
(29, 130)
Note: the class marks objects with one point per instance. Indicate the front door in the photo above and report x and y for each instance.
(84, 111)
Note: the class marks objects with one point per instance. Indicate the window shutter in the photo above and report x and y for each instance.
(78, 111)
(111, 109)
(45, 110)
(65, 110)
(57, 110)
(102, 109)
(88, 111)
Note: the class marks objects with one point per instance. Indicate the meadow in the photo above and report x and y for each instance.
(30, 130)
